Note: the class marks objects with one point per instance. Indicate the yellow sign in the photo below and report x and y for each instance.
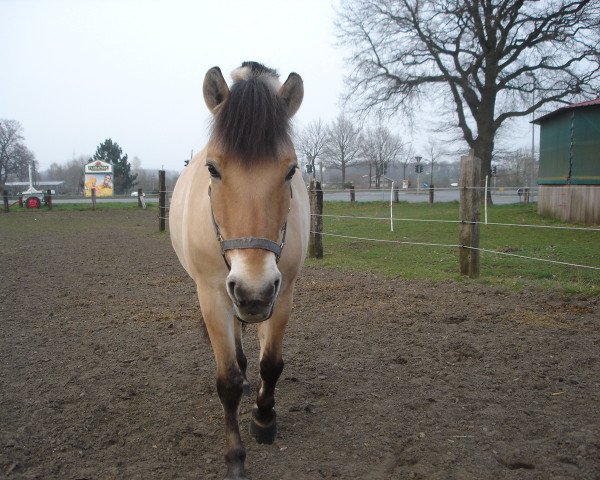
(99, 176)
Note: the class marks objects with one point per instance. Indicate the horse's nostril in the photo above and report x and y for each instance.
(276, 286)
(231, 288)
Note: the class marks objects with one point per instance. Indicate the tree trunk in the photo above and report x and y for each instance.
(483, 148)
(483, 145)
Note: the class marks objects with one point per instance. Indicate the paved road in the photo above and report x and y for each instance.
(506, 197)
(56, 200)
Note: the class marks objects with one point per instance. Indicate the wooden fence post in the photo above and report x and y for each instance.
(315, 244)
(470, 183)
(162, 201)
(5, 201)
(140, 193)
(93, 198)
(49, 199)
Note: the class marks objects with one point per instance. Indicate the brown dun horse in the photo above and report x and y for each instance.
(239, 222)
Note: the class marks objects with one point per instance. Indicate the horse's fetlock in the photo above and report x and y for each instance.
(264, 416)
(264, 408)
(236, 455)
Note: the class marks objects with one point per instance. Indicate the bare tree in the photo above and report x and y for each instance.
(342, 146)
(310, 142)
(407, 156)
(492, 60)
(147, 179)
(514, 167)
(434, 152)
(11, 138)
(22, 159)
(380, 149)
(71, 172)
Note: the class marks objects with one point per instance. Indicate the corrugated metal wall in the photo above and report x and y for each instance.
(570, 148)
(555, 138)
(586, 147)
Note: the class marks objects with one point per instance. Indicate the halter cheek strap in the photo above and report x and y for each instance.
(247, 242)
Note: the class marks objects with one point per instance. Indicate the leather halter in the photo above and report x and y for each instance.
(247, 242)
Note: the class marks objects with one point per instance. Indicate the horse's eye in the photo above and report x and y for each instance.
(214, 173)
(290, 174)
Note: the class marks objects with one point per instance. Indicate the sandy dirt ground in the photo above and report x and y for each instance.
(105, 374)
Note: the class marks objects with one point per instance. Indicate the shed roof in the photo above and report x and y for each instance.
(566, 108)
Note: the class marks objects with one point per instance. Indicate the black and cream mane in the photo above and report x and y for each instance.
(251, 125)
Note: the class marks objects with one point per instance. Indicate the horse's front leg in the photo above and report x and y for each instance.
(223, 333)
(230, 388)
(264, 426)
(241, 356)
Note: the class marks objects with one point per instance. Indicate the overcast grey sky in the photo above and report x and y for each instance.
(75, 72)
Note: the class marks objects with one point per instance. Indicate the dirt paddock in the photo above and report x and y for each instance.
(105, 374)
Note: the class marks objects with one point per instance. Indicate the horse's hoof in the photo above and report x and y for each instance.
(236, 474)
(265, 435)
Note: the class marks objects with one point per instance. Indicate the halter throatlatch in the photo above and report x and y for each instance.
(247, 242)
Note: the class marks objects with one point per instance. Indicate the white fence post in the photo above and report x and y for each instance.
(392, 208)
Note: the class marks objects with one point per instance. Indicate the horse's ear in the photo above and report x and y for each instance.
(215, 88)
(291, 94)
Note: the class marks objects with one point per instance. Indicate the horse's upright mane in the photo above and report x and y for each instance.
(251, 125)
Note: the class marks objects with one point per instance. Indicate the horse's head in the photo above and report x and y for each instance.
(251, 162)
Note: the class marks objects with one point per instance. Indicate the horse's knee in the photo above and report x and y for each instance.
(243, 364)
(270, 369)
(240, 356)
(230, 388)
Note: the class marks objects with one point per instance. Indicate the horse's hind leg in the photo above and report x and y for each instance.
(264, 426)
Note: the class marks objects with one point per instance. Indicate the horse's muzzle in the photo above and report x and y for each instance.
(253, 318)
(252, 305)
(253, 315)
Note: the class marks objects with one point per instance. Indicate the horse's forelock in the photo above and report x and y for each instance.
(255, 69)
(251, 125)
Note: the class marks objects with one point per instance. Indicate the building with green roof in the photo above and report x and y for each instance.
(569, 164)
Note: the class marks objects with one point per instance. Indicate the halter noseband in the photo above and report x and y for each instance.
(247, 242)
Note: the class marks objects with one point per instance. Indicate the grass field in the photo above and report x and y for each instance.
(439, 263)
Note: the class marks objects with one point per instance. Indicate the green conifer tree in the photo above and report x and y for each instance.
(110, 152)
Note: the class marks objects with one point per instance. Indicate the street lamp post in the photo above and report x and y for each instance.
(431, 182)
(431, 173)
(532, 76)
(533, 136)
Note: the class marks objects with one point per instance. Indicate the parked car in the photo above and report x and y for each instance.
(135, 194)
